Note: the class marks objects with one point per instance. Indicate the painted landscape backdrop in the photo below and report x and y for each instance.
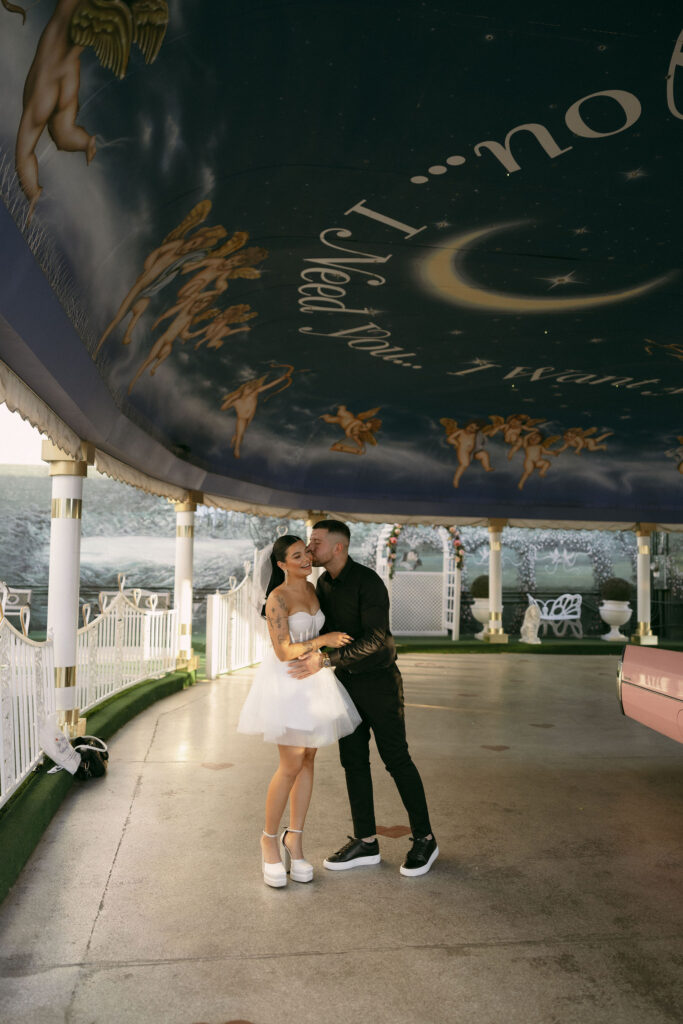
(125, 530)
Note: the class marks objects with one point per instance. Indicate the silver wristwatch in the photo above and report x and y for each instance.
(326, 660)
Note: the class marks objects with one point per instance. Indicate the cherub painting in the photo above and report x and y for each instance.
(468, 444)
(52, 85)
(244, 400)
(536, 449)
(183, 316)
(217, 330)
(164, 264)
(359, 430)
(512, 427)
(578, 439)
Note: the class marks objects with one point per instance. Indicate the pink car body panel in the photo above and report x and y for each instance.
(650, 688)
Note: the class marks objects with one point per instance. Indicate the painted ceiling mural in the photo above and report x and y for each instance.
(382, 257)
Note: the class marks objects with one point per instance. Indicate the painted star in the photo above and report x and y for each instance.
(442, 224)
(456, 332)
(595, 341)
(632, 175)
(560, 279)
(580, 231)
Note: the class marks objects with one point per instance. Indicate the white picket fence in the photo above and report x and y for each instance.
(121, 647)
(236, 633)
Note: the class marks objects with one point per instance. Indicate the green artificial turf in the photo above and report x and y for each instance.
(29, 811)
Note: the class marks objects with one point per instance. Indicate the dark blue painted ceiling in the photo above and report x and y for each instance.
(383, 257)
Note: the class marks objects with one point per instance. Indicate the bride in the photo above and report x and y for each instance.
(299, 715)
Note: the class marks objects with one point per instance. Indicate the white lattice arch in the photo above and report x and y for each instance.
(422, 603)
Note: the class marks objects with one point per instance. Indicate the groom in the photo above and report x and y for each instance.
(354, 600)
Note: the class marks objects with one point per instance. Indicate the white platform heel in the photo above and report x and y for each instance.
(300, 870)
(273, 874)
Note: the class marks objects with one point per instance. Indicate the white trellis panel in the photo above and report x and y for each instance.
(417, 604)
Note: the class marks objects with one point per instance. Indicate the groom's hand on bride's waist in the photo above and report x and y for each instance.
(306, 665)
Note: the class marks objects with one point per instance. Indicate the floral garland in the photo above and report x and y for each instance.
(392, 541)
(458, 548)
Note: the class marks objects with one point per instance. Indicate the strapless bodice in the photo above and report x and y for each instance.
(304, 626)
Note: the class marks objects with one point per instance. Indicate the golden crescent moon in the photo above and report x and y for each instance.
(443, 274)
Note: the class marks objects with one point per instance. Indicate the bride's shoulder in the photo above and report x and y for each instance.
(277, 598)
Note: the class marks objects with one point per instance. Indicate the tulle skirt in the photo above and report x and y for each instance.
(312, 712)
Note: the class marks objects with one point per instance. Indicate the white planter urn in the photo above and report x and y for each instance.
(480, 611)
(615, 614)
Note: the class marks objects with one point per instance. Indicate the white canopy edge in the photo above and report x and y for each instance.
(21, 399)
(118, 470)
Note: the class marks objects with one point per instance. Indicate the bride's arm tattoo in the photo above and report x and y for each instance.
(278, 623)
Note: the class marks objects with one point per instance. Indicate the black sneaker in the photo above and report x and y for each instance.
(354, 854)
(421, 857)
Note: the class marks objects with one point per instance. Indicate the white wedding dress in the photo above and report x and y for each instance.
(312, 712)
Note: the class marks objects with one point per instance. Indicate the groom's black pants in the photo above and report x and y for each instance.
(379, 699)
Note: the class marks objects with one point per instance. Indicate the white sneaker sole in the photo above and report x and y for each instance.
(357, 862)
(411, 872)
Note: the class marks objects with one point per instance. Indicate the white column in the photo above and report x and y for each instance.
(644, 634)
(182, 592)
(494, 632)
(65, 564)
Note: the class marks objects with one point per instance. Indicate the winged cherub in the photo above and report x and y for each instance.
(512, 427)
(578, 439)
(50, 99)
(466, 442)
(244, 400)
(536, 449)
(164, 264)
(359, 430)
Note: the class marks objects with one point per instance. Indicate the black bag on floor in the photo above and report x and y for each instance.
(94, 757)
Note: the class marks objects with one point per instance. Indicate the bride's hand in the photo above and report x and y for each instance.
(336, 639)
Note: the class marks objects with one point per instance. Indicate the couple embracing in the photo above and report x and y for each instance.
(313, 689)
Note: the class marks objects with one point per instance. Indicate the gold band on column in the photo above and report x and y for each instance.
(495, 616)
(495, 545)
(68, 469)
(65, 675)
(66, 508)
(184, 531)
(643, 549)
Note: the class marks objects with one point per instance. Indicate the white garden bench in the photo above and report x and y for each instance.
(562, 614)
(16, 603)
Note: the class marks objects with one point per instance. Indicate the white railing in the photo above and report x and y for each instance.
(236, 633)
(121, 647)
(26, 690)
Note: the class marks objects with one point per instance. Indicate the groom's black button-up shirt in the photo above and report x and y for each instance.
(357, 602)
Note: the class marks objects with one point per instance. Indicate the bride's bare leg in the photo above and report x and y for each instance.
(291, 761)
(299, 799)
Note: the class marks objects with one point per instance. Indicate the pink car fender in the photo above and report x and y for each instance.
(650, 688)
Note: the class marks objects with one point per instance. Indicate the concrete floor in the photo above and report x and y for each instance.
(556, 899)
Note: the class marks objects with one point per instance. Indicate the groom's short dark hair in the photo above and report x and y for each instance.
(334, 526)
